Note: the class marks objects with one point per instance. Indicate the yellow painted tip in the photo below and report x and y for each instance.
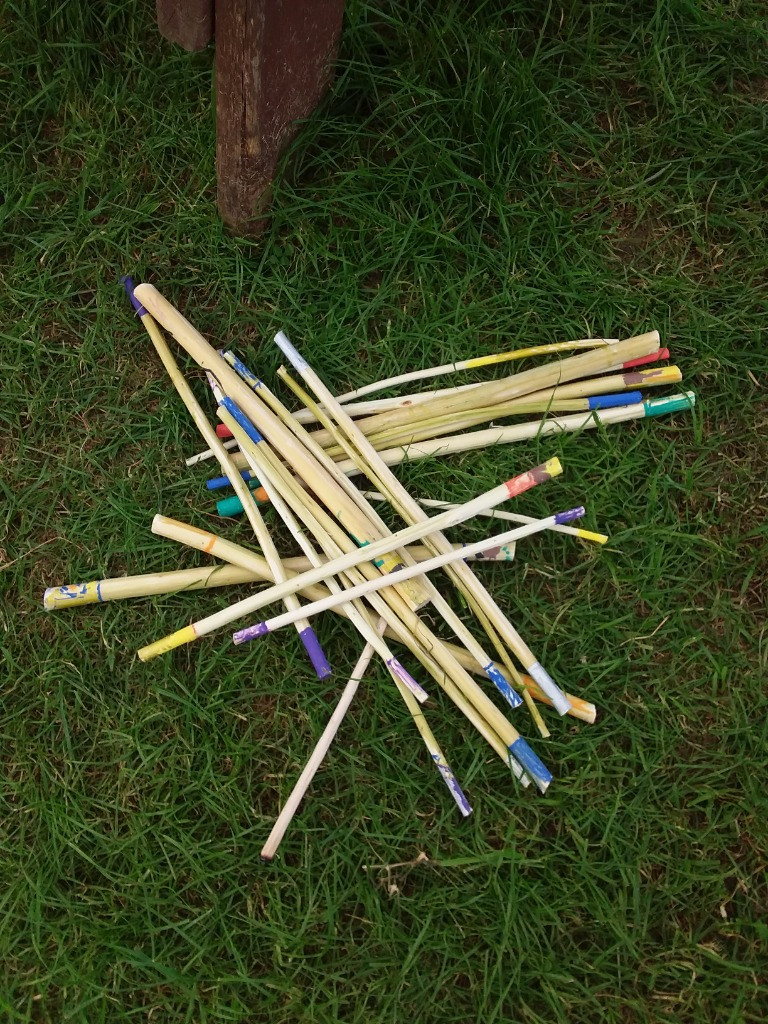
(597, 538)
(168, 643)
(662, 375)
(553, 466)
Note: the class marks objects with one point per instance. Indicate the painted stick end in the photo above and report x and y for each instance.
(501, 683)
(312, 646)
(540, 774)
(407, 679)
(127, 283)
(242, 636)
(567, 517)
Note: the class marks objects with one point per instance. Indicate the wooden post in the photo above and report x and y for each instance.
(188, 23)
(273, 62)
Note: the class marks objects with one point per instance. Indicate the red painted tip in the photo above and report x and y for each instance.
(223, 431)
(654, 357)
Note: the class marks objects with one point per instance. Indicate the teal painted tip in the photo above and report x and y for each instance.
(669, 403)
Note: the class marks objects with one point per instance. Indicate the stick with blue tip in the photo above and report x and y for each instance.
(292, 603)
(243, 430)
(406, 626)
(438, 562)
(411, 511)
(481, 439)
(515, 486)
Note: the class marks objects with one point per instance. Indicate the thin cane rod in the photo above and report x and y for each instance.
(411, 511)
(354, 612)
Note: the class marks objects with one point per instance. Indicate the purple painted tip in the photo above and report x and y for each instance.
(570, 515)
(407, 679)
(127, 283)
(315, 652)
(242, 636)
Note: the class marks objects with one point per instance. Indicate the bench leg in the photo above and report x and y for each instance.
(273, 61)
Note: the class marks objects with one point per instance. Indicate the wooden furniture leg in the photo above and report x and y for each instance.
(273, 62)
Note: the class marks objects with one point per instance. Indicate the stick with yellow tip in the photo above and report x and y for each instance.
(208, 542)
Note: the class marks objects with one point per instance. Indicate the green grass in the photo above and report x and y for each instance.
(480, 175)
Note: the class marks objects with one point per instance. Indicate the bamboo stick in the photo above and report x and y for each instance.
(317, 757)
(588, 364)
(386, 481)
(496, 513)
(277, 622)
(267, 423)
(306, 633)
(473, 364)
(482, 439)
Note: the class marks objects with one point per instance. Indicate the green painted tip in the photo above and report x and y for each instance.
(669, 403)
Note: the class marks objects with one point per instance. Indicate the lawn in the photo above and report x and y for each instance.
(481, 176)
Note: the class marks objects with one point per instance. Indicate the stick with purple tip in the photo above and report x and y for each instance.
(243, 429)
(272, 625)
(452, 620)
(477, 596)
(305, 631)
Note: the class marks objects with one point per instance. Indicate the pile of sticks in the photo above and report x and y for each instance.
(301, 464)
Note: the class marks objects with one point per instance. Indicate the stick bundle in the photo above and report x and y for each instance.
(292, 472)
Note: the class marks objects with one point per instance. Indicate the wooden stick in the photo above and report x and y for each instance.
(322, 746)
(582, 395)
(266, 422)
(411, 511)
(353, 612)
(496, 513)
(208, 453)
(588, 364)
(292, 603)
(439, 561)
(474, 364)
(211, 544)
(177, 581)
(482, 439)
